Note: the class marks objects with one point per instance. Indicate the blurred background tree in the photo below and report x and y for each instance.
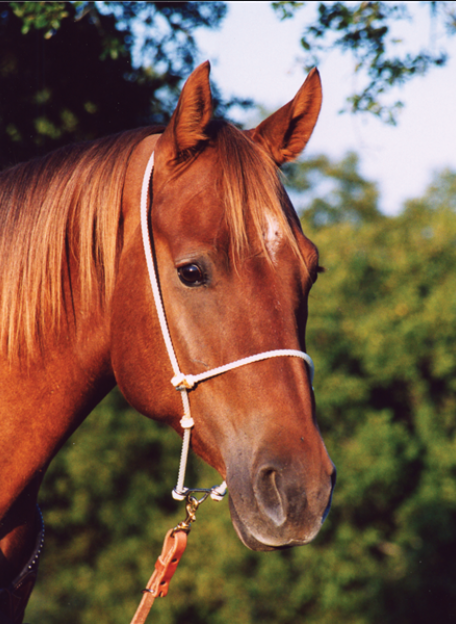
(370, 32)
(72, 71)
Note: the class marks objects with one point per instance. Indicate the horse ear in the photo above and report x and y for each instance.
(285, 133)
(192, 114)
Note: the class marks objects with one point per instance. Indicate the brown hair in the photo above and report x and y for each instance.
(65, 204)
(252, 189)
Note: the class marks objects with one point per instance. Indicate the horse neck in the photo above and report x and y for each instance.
(46, 396)
(44, 401)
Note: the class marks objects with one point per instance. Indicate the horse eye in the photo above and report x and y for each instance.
(191, 275)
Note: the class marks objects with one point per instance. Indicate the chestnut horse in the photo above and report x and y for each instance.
(78, 315)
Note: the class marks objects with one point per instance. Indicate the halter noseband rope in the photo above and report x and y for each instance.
(183, 382)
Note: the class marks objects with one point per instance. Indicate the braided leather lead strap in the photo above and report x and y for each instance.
(173, 548)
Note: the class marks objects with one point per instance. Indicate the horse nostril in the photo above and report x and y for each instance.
(269, 498)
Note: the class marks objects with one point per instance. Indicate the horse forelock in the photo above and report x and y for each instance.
(59, 209)
(257, 211)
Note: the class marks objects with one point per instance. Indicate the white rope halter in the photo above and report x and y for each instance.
(183, 382)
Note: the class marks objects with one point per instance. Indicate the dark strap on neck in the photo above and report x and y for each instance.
(14, 598)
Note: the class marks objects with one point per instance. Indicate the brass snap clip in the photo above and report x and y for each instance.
(191, 506)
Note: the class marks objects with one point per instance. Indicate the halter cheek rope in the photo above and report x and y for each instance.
(183, 382)
(176, 539)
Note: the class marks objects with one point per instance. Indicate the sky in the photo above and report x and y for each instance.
(255, 55)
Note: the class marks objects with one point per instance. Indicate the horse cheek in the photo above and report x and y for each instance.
(137, 348)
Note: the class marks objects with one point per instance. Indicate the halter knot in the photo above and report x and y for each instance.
(187, 422)
(183, 382)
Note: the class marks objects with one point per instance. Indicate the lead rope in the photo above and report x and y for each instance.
(176, 539)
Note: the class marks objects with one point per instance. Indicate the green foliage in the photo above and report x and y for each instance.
(382, 334)
(366, 30)
(41, 15)
(382, 331)
(330, 186)
(73, 71)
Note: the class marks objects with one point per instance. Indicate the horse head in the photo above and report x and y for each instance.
(235, 271)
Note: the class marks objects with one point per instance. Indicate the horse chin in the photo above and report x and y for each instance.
(254, 538)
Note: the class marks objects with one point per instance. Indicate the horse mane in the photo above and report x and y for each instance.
(253, 193)
(55, 210)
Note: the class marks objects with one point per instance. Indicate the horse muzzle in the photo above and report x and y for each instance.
(279, 505)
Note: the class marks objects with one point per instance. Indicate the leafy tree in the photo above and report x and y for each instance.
(72, 71)
(382, 334)
(367, 30)
(329, 186)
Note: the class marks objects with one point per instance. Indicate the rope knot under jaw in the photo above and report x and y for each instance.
(183, 382)
(187, 422)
